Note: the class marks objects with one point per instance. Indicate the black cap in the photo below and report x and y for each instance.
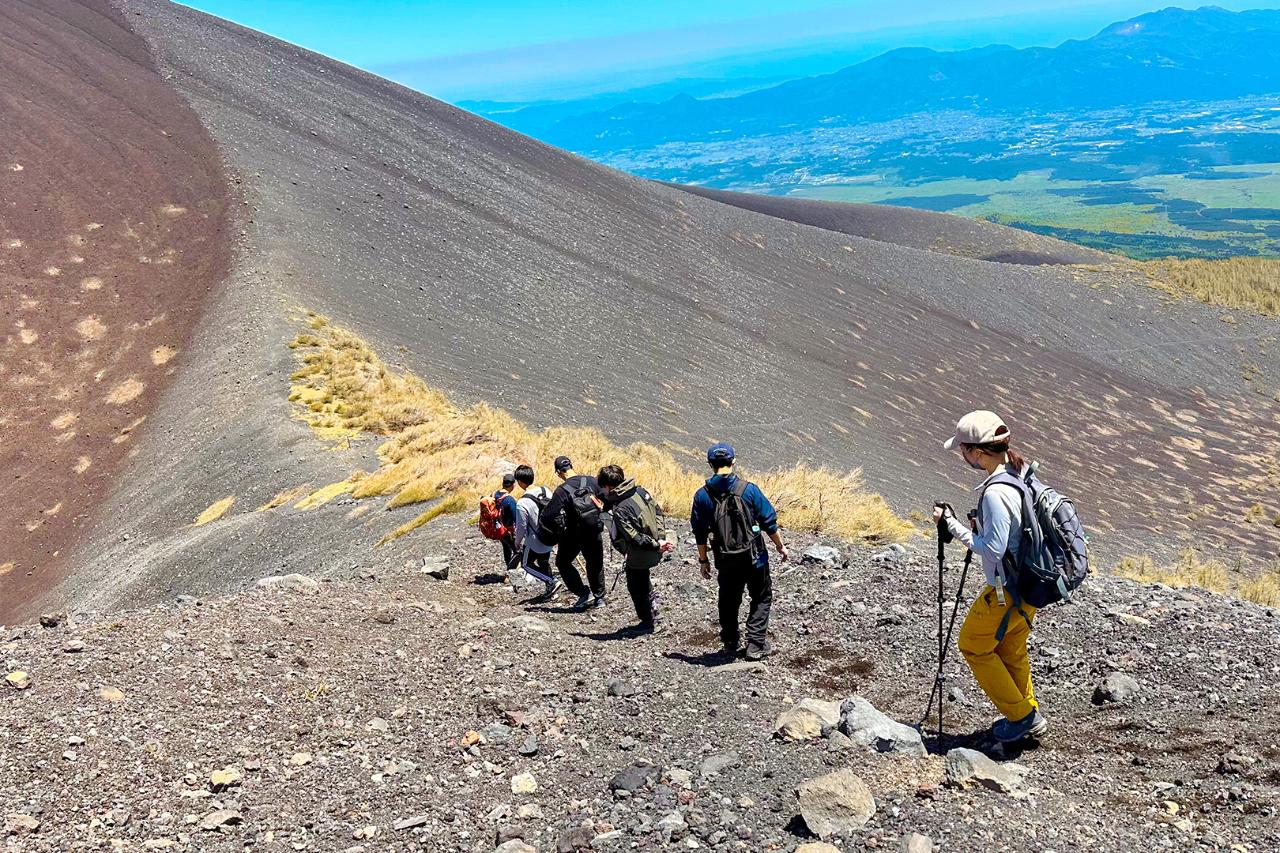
(563, 463)
(508, 481)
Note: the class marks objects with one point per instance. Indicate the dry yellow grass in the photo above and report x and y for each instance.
(435, 450)
(215, 511)
(1259, 584)
(285, 497)
(1246, 283)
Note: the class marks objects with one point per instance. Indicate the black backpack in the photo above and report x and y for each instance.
(733, 529)
(551, 525)
(587, 506)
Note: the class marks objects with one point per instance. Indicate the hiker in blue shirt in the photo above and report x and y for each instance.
(732, 517)
(507, 506)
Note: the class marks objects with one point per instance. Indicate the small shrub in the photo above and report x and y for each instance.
(1257, 583)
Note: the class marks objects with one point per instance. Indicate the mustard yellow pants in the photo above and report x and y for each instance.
(1001, 668)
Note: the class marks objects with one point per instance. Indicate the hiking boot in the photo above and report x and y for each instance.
(730, 650)
(553, 586)
(582, 602)
(755, 652)
(1031, 726)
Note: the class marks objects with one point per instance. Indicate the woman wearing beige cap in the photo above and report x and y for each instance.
(994, 644)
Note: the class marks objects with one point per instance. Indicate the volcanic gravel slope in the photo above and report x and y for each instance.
(388, 711)
(920, 229)
(112, 204)
(502, 270)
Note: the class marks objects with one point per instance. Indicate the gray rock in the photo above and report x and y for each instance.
(822, 555)
(515, 845)
(618, 687)
(863, 724)
(496, 733)
(578, 838)
(411, 822)
(1116, 687)
(916, 843)
(530, 745)
(530, 624)
(806, 719)
(741, 666)
(717, 764)
(965, 767)
(836, 804)
(635, 777)
(671, 826)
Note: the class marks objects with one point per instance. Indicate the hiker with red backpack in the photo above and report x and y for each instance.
(498, 518)
(732, 517)
(1033, 552)
(573, 521)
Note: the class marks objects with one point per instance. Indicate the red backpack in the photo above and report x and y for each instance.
(491, 517)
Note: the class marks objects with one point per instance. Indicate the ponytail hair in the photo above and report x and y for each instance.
(997, 447)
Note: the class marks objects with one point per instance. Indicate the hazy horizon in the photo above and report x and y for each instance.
(503, 51)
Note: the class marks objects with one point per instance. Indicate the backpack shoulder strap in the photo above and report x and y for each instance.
(740, 487)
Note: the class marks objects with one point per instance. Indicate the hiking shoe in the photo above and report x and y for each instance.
(553, 586)
(582, 602)
(730, 650)
(755, 652)
(595, 602)
(1031, 726)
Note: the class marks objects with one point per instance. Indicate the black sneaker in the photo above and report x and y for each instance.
(595, 603)
(755, 652)
(582, 602)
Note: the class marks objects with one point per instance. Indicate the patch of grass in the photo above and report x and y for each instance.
(1252, 284)
(214, 511)
(1259, 584)
(285, 497)
(435, 450)
(324, 494)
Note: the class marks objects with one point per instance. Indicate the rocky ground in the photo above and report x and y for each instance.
(383, 708)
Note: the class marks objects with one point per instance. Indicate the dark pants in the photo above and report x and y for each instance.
(641, 588)
(589, 545)
(508, 551)
(736, 574)
(538, 565)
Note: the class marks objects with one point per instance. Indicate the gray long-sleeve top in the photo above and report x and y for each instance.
(1001, 529)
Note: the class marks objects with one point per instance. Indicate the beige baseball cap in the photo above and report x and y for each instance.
(980, 427)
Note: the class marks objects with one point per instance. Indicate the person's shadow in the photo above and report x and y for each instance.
(626, 632)
(715, 657)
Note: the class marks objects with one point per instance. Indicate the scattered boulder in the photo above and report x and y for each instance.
(18, 680)
(717, 764)
(515, 845)
(530, 745)
(291, 583)
(523, 783)
(411, 822)
(822, 555)
(618, 687)
(1236, 763)
(222, 817)
(578, 838)
(806, 719)
(52, 620)
(863, 724)
(966, 767)
(111, 694)
(916, 843)
(894, 554)
(530, 624)
(435, 567)
(1116, 687)
(817, 847)
(836, 804)
(20, 824)
(741, 666)
(635, 777)
(228, 777)
(73, 647)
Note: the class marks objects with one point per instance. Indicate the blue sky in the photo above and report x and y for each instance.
(510, 50)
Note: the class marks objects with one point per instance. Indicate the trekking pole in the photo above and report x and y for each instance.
(944, 640)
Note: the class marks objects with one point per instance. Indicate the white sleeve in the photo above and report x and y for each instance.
(1001, 507)
(522, 524)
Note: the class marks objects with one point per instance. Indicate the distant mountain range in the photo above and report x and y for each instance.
(1170, 55)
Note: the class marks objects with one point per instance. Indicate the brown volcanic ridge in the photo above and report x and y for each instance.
(502, 270)
(111, 235)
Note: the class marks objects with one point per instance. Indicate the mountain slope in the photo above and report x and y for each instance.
(112, 234)
(502, 270)
(1173, 54)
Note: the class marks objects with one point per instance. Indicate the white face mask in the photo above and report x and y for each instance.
(977, 466)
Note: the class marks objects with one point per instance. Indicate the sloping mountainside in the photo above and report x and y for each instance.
(502, 270)
(1205, 54)
(112, 233)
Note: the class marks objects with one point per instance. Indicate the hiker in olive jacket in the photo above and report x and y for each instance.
(637, 532)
